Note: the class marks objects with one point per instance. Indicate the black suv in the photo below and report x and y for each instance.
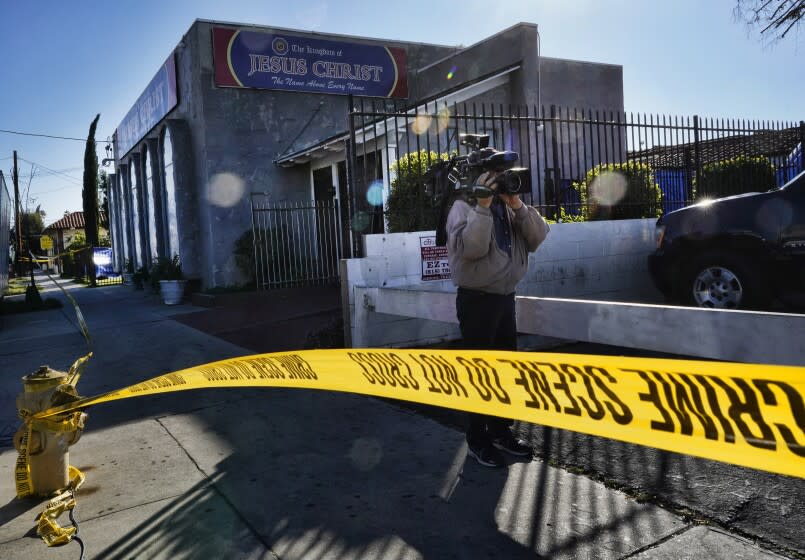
(738, 252)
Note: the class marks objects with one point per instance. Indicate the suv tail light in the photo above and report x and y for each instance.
(659, 235)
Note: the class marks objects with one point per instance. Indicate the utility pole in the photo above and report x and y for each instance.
(17, 218)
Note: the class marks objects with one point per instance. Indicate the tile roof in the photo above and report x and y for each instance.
(74, 220)
(769, 143)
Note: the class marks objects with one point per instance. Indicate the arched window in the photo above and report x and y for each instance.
(134, 190)
(150, 204)
(171, 227)
(122, 209)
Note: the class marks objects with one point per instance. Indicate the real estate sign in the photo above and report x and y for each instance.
(434, 259)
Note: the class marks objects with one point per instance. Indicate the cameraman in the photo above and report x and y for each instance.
(487, 245)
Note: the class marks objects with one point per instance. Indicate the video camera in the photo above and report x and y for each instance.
(462, 172)
(459, 175)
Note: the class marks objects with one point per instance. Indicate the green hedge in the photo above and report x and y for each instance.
(738, 175)
(620, 191)
(407, 207)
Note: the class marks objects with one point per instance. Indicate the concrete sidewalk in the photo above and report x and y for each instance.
(291, 474)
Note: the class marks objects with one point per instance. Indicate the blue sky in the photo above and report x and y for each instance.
(63, 62)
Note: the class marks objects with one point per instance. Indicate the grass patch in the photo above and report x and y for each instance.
(21, 306)
(17, 286)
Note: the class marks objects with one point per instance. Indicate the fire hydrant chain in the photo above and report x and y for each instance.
(73, 520)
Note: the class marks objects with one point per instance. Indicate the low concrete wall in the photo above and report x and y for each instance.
(726, 335)
(592, 260)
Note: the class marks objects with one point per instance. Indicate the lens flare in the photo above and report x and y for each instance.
(312, 17)
(421, 124)
(366, 453)
(225, 190)
(374, 194)
(361, 221)
(452, 72)
(442, 119)
(608, 188)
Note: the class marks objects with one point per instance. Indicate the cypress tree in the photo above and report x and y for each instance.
(90, 192)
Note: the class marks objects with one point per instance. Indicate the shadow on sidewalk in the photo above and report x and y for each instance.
(331, 476)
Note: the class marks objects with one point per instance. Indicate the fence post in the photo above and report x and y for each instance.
(696, 148)
(254, 245)
(347, 191)
(801, 146)
(557, 172)
(688, 177)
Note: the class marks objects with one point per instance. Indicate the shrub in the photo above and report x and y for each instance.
(69, 260)
(567, 218)
(244, 255)
(140, 277)
(407, 207)
(738, 175)
(275, 248)
(620, 191)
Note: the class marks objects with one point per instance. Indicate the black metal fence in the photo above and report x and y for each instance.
(83, 264)
(583, 163)
(295, 243)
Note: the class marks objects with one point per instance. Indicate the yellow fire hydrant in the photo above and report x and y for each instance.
(48, 440)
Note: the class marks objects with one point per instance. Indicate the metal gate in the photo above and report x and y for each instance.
(295, 243)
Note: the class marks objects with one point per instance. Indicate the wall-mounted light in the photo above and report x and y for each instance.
(109, 153)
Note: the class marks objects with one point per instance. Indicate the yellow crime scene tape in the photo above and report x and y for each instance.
(82, 323)
(747, 415)
(47, 258)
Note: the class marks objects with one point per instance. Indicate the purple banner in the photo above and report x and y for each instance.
(155, 102)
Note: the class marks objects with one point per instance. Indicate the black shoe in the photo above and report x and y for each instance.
(512, 445)
(487, 456)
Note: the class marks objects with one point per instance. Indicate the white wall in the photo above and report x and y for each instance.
(589, 260)
(604, 261)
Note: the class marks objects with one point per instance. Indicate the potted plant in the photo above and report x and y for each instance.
(155, 274)
(139, 278)
(171, 280)
(128, 272)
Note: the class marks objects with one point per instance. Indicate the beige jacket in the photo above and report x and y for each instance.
(476, 262)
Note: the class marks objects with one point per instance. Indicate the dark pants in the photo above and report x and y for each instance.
(487, 322)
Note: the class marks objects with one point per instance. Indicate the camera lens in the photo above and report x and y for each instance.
(511, 183)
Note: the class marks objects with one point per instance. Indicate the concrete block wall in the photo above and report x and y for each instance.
(594, 261)
(591, 260)
(391, 269)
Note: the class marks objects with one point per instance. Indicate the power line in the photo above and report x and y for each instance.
(70, 177)
(21, 176)
(47, 136)
(55, 190)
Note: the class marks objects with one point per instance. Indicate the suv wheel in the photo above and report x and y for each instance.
(720, 280)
